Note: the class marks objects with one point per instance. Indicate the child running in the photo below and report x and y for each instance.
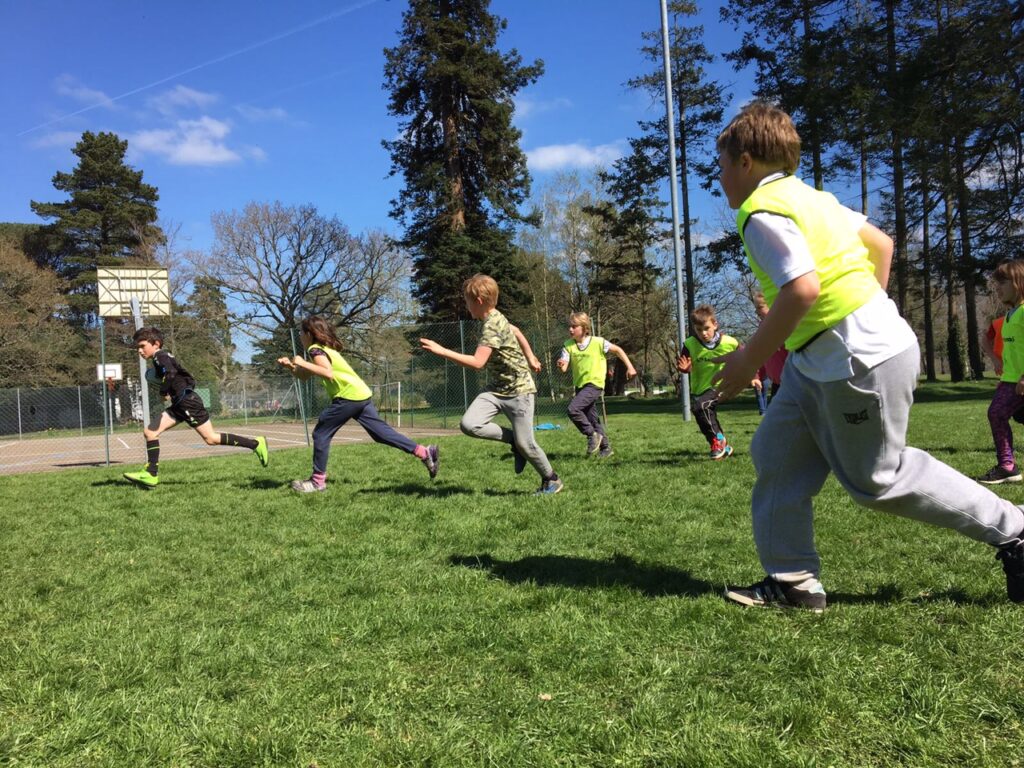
(506, 354)
(850, 377)
(1008, 280)
(178, 386)
(350, 399)
(586, 355)
(699, 359)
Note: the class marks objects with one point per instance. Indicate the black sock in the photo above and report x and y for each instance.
(237, 440)
(152, 456)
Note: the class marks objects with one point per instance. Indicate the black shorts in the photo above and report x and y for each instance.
(189, 409)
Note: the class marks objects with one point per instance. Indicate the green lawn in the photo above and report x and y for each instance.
(221, 620)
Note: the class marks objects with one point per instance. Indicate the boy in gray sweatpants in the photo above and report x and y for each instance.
(850, 375)
(503, 350)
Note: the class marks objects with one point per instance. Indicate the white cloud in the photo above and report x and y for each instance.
(62, 139)
(555, 157)
(68, 85)
(181, 97)
(191, 142)
(526, 107)
(261, 115)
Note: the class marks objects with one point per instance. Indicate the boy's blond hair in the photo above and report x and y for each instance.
(581, 319)
(483, 288)
(766, 133)
(702, 313)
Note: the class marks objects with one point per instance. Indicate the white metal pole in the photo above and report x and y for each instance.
(81, 424)
(684, 379)
(399, 405)
(18, 395)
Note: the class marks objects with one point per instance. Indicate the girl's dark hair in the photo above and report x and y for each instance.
(1011, 271)
(322, 332)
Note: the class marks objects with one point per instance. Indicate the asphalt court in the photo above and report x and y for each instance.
(128, 447)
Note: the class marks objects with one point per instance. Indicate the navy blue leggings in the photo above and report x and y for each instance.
(341, 410)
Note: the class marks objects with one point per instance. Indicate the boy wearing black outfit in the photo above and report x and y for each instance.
(178, 386)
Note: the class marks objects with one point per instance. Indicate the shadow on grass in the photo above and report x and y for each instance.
(584, 573)
(891, 593)
(426, 490)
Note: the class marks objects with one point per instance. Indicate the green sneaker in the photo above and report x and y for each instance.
(261, 451)
(142, 478)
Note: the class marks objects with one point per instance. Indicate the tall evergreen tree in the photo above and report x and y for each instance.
(110, 211)
(458, 153)
(698, 103)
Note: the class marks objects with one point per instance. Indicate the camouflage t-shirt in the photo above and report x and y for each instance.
(507, 366)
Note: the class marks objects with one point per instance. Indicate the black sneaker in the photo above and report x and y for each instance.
(433, 460)
(520, 460)
(1012, 557)
(997, 475)
(771, 592)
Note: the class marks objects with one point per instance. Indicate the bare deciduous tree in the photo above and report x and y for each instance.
(279, 263)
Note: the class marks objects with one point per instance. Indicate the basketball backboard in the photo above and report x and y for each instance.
(119, 285)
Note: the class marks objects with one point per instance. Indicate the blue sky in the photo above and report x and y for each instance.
(227, 102)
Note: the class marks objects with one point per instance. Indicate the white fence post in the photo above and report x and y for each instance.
(81, 423)
(17, 393)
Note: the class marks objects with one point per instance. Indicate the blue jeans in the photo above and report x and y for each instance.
(341, 410)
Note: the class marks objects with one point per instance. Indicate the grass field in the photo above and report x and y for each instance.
(222, 620)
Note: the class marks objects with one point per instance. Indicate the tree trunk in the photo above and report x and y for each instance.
(953, 341)
(896, 144)
(926, 262)
(812, 113)
(967, 261)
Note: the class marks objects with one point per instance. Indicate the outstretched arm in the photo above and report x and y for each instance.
(620, 353)
(793, 302)
(476, 361)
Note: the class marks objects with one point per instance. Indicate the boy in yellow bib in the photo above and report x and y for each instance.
(586, 356)
(850, 375)
(699, 358)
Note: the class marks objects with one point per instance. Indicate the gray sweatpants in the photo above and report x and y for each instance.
(857, 429)
(477, 421)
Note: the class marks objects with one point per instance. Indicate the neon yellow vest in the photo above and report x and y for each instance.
(1013, 345)
(703, 369)
(845, 272)
(346, 382)
(588, 366)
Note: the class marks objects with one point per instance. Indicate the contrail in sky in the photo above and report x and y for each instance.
(218, 60)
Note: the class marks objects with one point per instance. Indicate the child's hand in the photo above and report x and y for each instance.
(535, 364)
(563, 365)
(297, 362)
(630, 372)
(736, 374)
(757, 384)
(684, 364)
(286, 362)
(431, 346)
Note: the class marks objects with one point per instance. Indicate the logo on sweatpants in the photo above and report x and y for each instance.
(856, 418)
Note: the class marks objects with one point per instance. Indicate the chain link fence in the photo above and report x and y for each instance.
(100, 423)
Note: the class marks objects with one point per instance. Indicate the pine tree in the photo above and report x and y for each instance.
(698, 103)
(109, 213)
(458, 153)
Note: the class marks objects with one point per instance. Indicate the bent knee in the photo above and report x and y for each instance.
(212, 440)
(470, 428)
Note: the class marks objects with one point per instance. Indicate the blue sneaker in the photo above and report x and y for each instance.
(550, 486)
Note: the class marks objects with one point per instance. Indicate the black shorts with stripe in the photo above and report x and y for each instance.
(189, 409)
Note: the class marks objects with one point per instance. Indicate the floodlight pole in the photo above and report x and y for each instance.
(137, 314)
(684, 379)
